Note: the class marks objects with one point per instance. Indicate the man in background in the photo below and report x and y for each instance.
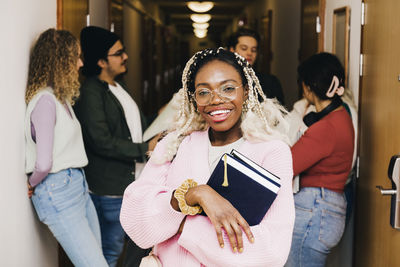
(245, 42)
(112, 127)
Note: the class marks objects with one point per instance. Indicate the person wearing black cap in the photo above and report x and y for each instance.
(112, 131)
(245, 42)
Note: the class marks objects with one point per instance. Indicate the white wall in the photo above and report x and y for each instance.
(355, 38)
(24, 241)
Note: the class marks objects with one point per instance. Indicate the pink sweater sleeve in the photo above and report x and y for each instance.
(272, 236)
(43, 120)
(149, 199)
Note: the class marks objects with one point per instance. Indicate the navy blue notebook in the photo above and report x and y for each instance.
(249, 187)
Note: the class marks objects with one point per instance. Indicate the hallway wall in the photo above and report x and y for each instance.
(133, 12)
(24, 241)
(198, 44)
(153, 49)
(355, 39)
(285, 41)
(342, 255)
(98, 11)
(133, 46)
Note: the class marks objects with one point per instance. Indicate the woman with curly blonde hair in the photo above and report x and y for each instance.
(219, 111)
(55, 152)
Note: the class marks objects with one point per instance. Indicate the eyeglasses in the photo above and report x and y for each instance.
(119, 53)
(204, 96)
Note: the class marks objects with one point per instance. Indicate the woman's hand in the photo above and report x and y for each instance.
(222, 215)
(31, 190)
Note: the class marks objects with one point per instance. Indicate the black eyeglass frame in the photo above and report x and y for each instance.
(119, 53)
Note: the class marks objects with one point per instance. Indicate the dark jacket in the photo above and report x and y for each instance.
(271, 87)
(108, 144)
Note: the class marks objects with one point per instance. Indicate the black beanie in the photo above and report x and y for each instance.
(95, 43)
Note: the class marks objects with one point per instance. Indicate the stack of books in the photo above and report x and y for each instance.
(250, 188)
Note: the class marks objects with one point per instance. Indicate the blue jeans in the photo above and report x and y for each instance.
(112, 234)
(319, 226)
(62, 202)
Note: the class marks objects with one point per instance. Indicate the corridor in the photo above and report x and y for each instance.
(160, 36)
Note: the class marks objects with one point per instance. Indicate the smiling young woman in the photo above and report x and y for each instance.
(219, 111)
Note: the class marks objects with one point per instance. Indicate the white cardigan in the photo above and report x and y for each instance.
(68, 147)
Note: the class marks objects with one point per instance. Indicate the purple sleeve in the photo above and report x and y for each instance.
(43, 120)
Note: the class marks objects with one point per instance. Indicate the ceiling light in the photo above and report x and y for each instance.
(200, 33)
(201, 26)
(200, 7)
(200, 18)
(200, 36)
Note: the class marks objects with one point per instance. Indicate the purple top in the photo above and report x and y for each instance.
(43, 121)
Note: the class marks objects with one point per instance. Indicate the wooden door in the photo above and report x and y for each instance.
(265, 52)
(311, 41)
(72, 15)
(377, 244)
(116, 17)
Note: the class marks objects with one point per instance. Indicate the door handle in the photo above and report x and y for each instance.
(386, 192)
(394, 192)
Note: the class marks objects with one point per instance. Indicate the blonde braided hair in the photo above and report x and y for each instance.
(260, 121)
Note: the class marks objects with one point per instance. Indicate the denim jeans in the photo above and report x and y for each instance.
(319, 226)
(62, 202)
(112, 234)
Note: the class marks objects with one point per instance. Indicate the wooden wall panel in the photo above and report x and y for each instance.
(116, 18)
(71, 15)
(311, 42)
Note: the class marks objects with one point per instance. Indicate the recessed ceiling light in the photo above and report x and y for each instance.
(200, 7)
(201, 26)
(200, 18)
(200, 33)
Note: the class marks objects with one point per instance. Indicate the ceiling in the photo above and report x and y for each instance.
(177, 13)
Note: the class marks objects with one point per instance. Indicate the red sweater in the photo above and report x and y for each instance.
(323, 155)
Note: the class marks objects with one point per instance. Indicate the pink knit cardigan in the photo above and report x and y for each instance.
(149, 219)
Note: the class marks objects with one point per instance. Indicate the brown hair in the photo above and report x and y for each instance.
(53, 63)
